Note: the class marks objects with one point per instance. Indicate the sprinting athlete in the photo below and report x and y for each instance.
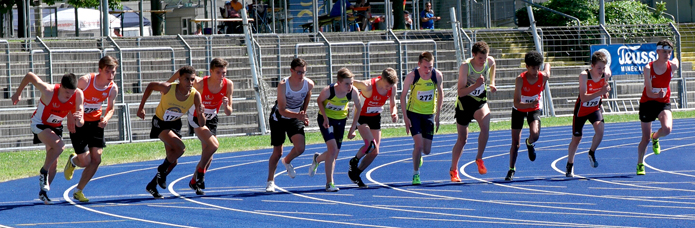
(56, 103)
(472, 104)
(376, 92)
(333, 113)
(88, 140)
(289, 118)
(177, 99)
(422, 108)
(655, 102)
(528, 103)
(593, 86)
(215, 91)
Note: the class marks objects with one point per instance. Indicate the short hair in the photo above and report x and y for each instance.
(186, 70)
(480, 47)
(427, 56)
(406, 12)
(297, 63)
(598, 56)
(69, 81)
(665, 42)
(344, 73)
(218, 63)
(533, 58)
(389, 74)
(108, 61)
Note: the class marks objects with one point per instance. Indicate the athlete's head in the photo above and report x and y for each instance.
(218, 67)
(107, 67)
(533, 60)
(345, 78)
(298, 67)
(480, 52)
(388, 79)
(68, 84)
(186, 77)
(664, 48)
(598, 62)
(425, 63)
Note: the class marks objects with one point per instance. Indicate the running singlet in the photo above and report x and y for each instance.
(337, 107)
(659, 82)
(374, 105)
(588, 107)
(94, 98)
(530, 93)
(53, 113)
(294, 100)
(422, 94)
(170, 108)
(211, 101)
(480, 93)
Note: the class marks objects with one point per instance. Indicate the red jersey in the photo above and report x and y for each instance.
(588, 107)
(532, 92)
(374, 105)
(94, 98)
(212, 101)
(659, 81)
(53, 113)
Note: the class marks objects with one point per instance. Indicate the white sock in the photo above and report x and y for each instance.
(72, 161)
(416, 172)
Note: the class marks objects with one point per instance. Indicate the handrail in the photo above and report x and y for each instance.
(399, 53)
(668, 14)
(470, 41)
(605, 31)
(539, 49)
(49, 58)
(579, 23)
(254, 71)
(188, 49)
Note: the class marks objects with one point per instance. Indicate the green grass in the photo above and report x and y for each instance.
(22, 164)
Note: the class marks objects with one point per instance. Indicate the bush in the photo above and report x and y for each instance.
(623, 12)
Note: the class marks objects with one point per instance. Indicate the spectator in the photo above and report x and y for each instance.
(231, 10)
(117, 32)
(335, 11)
(427, 17)
(198, 29)
(408, 20)
(363, 16)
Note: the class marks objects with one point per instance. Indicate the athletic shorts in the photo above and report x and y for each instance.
(159, 125)
(335, 131)
(519, 116)
(374, 122)
(281, 127)
(466, 108)
(650, 110)
(38, 128)
(90, 135)
(193, 123)
(421, 124)
(578, 122)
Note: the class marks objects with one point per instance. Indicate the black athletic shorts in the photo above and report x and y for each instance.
(518, 118)
(374, 122)
(335, 131)
(193, 123)
(90, 135)
(650, 110)
(578, 122)
(421, 124)
(281, 127)
(159, 125)
(466, 108)
(40, 127)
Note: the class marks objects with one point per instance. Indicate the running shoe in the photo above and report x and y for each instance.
(569, 172)
(354, 162)
(270, 186)
(69, 169)
(359, 182)
(640, 169)
(44, 197)
(592, 159)
(655, 144)
(353, 175)
(314, 165)
(510, 175)
(416, 179)
(195, 187)
(200, 180)
(330, 187)
(290, 169)
(161, 180)
(454, 176)
(481, 166)
(43, 182)
(78, 195)
(152, 189)
(531, 150)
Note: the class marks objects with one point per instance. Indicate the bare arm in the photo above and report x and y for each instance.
(36, 81)
(79, 109)
(358, 110)
(648, 82)
(584, 96)
(462, 89)
(162, 87)
(196, 83)
(404, 93)
(392, 104)
(440, 91)
(198, 101)
(675, 65)
(110, 107)
(361, 85)
(322, 97)
(282, 103)
(518, 84)
(546, 72)
(493, 67)
(230, 91)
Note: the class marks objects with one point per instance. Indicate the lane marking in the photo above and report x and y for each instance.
(437, 208)
(65, 223)
(303, 213)
(184, 207)
(496, 222)
(300, 202)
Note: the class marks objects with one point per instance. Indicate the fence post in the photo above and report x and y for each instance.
(189, 58)
(139, 63)
(682, 85)
(329, 57)
(539, 48)
(399, 53)
(8, 68)
(49, 59)
(457, 38)
(122, 128)
(254, 73)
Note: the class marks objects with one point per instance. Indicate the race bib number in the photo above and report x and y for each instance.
(527, 99)
(171, 115)
(210, 113)
(593, 102)
(375, 109)
(89, 107)
(478, 91)
(54, 119)
(425, 96)
(333, 107)
(657, 90)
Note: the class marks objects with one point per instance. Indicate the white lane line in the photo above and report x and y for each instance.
(220, 198)
(539, 186)
(128, 204)
(410, 197)
(184, 207)
(303, 213)
(432, 190)
(65, 223)
(328, 194)
(630, 189)
(547, 202)
(300, 202)
(674, 207)
(605, 215)
(523, 193)
(664, 171)
(418, 207)
(496, 222)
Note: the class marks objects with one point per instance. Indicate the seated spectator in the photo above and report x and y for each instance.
(363, 16)
(117, 32)
(231, 10)
(427, 17)
(335, 11)
(198, 29)
(408, 20)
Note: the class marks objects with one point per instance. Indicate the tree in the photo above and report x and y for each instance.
(587, 11)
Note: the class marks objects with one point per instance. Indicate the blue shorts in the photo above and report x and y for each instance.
(335, 131)
(421, 124)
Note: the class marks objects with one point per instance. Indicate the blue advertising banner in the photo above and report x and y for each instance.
(624, 59)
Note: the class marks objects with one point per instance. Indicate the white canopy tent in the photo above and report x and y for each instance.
(89, 21)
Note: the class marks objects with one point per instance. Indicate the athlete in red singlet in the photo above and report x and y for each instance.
(376, 92)
(655, 102)
(528, 98)
(593, 86)
(56, 103)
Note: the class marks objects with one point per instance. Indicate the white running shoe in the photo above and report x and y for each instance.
(314, 165)
(330, 187)
(290, 168)
(270, 186)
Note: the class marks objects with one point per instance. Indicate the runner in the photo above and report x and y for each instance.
(420, 112)
(289, 118)
(166, 123)
(656, 100)
(56, 102)
(333, 113)
(88, 140)
(593, 86)
(215, 91)
(528, 103)
(376, 92)
(472, 104)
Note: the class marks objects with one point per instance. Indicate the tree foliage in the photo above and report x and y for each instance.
(6, 5)
(587, 11)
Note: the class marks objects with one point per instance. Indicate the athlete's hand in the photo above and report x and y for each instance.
(302, 116)
(306, 122)
(103, 123)
(325, 122)
(71, 128)
(394, 117)
(351, 133)
(436, 122)
(493, 88)
(407, 124)
(662, 93)
(16, 97)
(534, 103)
(480, 81)
(77, 115)
(141, 113)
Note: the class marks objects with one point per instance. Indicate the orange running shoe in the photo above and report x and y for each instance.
(481, 166)
(454, 176)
